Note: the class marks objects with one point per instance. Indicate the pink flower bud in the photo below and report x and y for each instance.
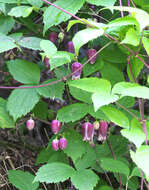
(103, 129)
(46, 62)
(63, 143)
(90, 53)
(87, 131)
(30, 124)
(53, 37)
(55, 144)
(70, 47)
(96, 125)
(75, 66)
(55, 126)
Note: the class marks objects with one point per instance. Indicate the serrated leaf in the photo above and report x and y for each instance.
(84, 36)
(116, 166)
(135, 134)
(21, 11)
(85, 178)
(76, 147)
(72, 112)
(60, 58)
(22, 101)
(136, 66)
(24, 71)
(41, 110)
(131, 89)
(132, 37)
(5, 119)
(140, 157)
(102, 2)
(22, 180)
(146, 44)
(6, 24)
(54, 173)
(98, 114)
(127, 101)
(116, 116)
(52, 91)
(30, 43)
(136, 172)
(6, 43)
(36, 3)
(48, 47)
(57, 16)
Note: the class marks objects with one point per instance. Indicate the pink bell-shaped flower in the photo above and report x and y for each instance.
(53, 37)
(55, 144)
(90, 53)
(75, 67)
(55, 126)
(30, 124)
(70, 47)
(102, 131)
(63, 143)
(87, 131)
(46, 62)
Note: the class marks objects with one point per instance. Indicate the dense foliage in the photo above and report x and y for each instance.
(80, 67)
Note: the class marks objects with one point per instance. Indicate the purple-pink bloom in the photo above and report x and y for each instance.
(87, 131)
(63, 143)
(53, 37)
(46, 62)
(55, 126)
(70, 47)
(55, 144)
(90, 53)
(76, 66)
(30, 124)
(102, 131)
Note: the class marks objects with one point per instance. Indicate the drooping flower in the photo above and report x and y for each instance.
(90, 53)
(102, 131)
(46, 62)
(70, 47)
(87, 131)
(55, 144)
(55, 126)
(53, 37)
(76, 66)
(63, 143)
(30, 124)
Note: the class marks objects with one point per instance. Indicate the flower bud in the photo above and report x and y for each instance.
(53, 37)
(102, 131)
(55, 144)
(96, 125)
(63, 143)
(70, 47)
(90, 53)
(30, 124)
(55, 126)
(46, 62)
(87, 131)
(75, 66)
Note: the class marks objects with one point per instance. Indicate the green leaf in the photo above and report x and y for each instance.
(22, 101)
(13, 1)
(136, 66)
(48, 47)
(131, 89)
(76, 147)
(84, 36)
(111, 73)
(146, 44)
(54, 173)
(104, 3)
(98, 114)
(60, 58)
(6, 43)
(116, 166)
(24, 71)
(127, 101)
(5, 120)
(72, 112)
(6, 24)
(22, 180)
(72, 22)
(85, 178)
(116, 116)
(30, 43)
(21, 11)
(41, 110)
(36, 3)
(136, 172)
(131, 37)
(57, 16)
(140, 157)
(135, 134)
(52, 91)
